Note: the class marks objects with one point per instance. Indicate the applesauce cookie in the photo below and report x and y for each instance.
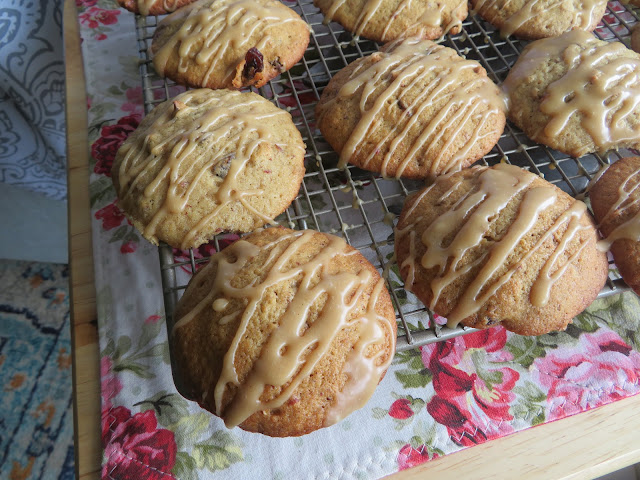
(415, 109)
(533, 19)
(577, 94)
(499, 245)
(153, 7)
(284, 332)
(229, 43)
(205, 162)
(615, 199)
(385, 20)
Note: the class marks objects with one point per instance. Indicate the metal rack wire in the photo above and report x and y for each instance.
(361, 206)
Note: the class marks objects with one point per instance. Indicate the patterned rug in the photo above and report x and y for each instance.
(36, 418)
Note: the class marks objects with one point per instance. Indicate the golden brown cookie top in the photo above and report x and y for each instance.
(284, 332)
(577, 94)
(153, 7)
(229, 43)
(208, 161)
(533, 19)
(414, 109)
(491, 245)
(385, 20)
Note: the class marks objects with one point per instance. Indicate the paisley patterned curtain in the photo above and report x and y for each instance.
(32, 124)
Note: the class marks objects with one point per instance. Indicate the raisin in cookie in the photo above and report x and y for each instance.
(229, 43)
(499, 245)
(284, 332)
(415, 109)
(205, 162)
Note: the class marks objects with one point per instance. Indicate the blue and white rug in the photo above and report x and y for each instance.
(36, 418)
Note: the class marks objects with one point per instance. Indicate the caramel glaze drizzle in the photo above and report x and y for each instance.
(630, 229)
(212, 28)
(600, 85)
(183, 165)
(499, 185)
(291, 353)
(431, 18)
(408, 62)
(532, 8)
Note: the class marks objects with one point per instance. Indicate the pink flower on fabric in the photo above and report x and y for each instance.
(86, 3)
(305, 98)
(110, 215)
(203, 251)
(135, 448)
(410, 457)
(152, 319)
(135, 101)
(473, 391)
(100, 36)
(401, 409)
(110, 385)
(128, 247)
(601, 370)
(104, 149)
(95, 16)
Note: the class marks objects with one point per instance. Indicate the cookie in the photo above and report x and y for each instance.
(205, 162)
(635, 38)
(284, 332)
(386, 20)
(415, 109)
(153, 7)
(534, 19)
(577, 94)
(500, 246)
(228, 43)
(615, 200)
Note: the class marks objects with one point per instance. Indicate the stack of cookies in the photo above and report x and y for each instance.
(285, 332)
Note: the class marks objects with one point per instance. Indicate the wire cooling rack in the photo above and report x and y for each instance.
(361, 206)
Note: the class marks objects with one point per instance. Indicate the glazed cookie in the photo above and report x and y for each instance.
(577, 94)
(533, 19)
(499, 245)
(153, 7)
(229, 43)
(205, 162)
(415, 109)
(284, 332)
(635, 38)
(385, 20)
(615, 199)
